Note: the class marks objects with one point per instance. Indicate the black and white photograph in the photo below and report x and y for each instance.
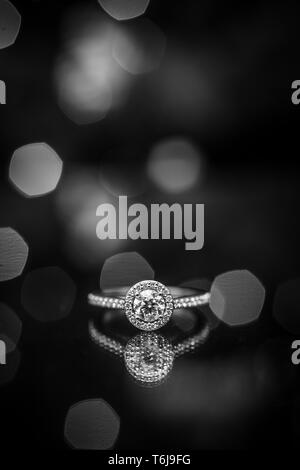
(149, 228)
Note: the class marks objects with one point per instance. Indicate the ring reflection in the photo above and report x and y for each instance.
(148, 356)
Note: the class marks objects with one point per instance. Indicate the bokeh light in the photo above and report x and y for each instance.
(286, 306)
(13, 254)
(174, 165)
(10, 22)
(48, 294)
(139, 47)
(10, 327)
(35, 169)
(92, 425)
(77, 201)
(82, 99)
(124, 9)
(125, 269)
(88, 80)
(237, 297)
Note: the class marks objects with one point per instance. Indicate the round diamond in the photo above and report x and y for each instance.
(148, 305)
(149, 357)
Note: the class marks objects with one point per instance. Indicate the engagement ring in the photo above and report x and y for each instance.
(149, 305)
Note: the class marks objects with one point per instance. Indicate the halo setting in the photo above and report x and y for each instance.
(149, 357)
(149, 305)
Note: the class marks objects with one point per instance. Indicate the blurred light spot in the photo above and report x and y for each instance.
(88, 80)
(124, 9)
(10, 369)
(139, 47)
(35, 169)
(82, 99)
(174, 165)
(92, 425)
(10, 327)
(77, 201)
(10, 22)
(48, 294)
(125, 269)
(237, 297)
(13, 254)
(286, 306)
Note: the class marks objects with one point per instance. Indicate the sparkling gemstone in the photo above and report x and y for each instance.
(149, 357)
(146, 305)
(149, 305)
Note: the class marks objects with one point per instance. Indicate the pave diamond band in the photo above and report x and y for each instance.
(149, 304)
(118, 304)
(100, 300)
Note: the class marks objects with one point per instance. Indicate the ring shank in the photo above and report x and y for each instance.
(115, 298)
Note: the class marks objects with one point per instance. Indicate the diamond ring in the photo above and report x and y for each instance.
(149, 305)
(148, 357)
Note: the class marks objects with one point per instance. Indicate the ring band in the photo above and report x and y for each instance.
(149, 304)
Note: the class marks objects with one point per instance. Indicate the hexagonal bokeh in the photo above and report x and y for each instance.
(10, 22)
(13, 254)
(124, 9)
(125, 269)
(35, 169)
(10, 327)
(92, 425)
(48, 294)
(237, 297)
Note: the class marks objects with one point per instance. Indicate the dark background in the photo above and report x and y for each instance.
(246, 126)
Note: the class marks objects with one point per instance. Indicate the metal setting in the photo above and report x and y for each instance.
(149, 304)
